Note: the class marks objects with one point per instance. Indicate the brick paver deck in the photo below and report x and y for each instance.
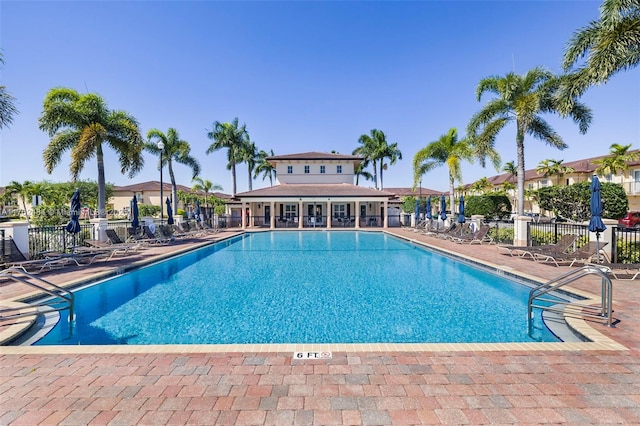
(148, 386)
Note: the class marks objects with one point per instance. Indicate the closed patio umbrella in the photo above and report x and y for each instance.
(461, 210)
(135, 213)
(428, 208)
(417, 211)
(169, 212)
(595, 223)
(198, 212)
(73, 226)
(443, 207)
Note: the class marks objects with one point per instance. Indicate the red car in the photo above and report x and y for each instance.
(630, 220)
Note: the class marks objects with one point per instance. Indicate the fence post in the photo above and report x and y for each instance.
(520, 230)
(606, 236)
(19, 231)
(100, 225)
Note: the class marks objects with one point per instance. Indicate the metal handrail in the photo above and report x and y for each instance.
(569, 277)
(57, 292)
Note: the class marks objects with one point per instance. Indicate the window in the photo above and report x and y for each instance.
(289, 169)
(544, 183)
(339, 210)
(290, 210)
(608, 177)
(306, 169)
(338, 169)
(322, 169)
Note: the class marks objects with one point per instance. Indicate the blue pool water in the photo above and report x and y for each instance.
(302, 287)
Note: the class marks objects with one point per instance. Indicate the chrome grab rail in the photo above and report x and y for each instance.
(52, 290)
(604, 310)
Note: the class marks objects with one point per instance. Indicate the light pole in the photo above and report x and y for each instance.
(161, 148)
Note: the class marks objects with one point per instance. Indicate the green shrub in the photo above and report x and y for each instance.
(489, 205)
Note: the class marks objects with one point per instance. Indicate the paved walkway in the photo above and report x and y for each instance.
(148, 386)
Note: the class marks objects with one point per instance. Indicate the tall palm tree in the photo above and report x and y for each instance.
(369, 153)
(447, 150)
(23, 191)
(521, 99)
(83, 124)
(7, 107)
(232, 138)
(205, 186)
(264, 166)
(553, 168)
(609, 44)
(175, 149)
(392, 153)
(249, 155)
(617, 160)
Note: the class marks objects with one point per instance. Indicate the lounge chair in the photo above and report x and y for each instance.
(479, 237)
(581, 255)
(151, 238)
(439, 230)
(619, 271)
(561, 246)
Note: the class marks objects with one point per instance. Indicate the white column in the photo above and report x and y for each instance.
(300, 214)
(19, 232)
(520, 230)
(329, 216)
(385, 219)
(99, 228)
(272, 219)
(357, 214)
(605, 237)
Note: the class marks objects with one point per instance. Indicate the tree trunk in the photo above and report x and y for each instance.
(102, 193)
(174, 188)
(452, 199)
(381, 169)
(520, 176)
(233, 179)
(250, 180)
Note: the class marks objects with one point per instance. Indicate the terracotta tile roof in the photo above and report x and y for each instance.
(406, 192)
(315, 190)
(585, 166)
(315, 156)
(154, 185)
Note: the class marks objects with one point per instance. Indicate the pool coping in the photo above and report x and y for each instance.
(598, 341)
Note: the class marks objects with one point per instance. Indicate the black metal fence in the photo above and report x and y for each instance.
(56, 238)
(626, 248)
(541, 233)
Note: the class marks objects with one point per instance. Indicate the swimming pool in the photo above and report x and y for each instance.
(302, 287)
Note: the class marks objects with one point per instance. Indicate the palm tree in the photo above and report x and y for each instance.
(232, 138)
(553, 168)
(360, 171)
(617, 160)
(264, 166)
(7, 108)
(205, 186)
(481, 186)
(23, 191)
(82, 124)
(510, 168)
(369, 153)
(392, 153)
(521, 99)
(175, 149)
(249, 155)
(447, 150)
(609, 44)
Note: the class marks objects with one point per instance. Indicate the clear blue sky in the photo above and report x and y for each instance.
(303, 76)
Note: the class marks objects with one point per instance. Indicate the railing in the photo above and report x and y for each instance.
(62, 299)
(56, 238)
(572, 308)
(626, 247)
(549, 233)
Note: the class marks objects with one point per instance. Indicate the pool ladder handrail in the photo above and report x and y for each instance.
(585, 310)
(65, 298)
